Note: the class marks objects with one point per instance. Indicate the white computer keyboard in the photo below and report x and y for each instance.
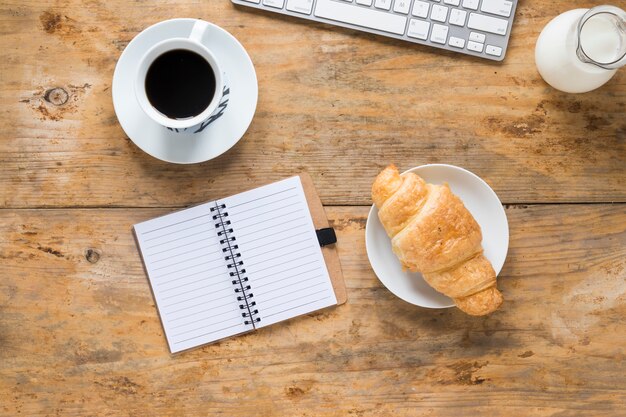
(473, 27)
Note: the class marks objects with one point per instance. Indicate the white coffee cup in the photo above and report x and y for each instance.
(192, 43)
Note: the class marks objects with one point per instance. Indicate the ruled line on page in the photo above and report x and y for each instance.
(187, 276)
(280, 256)
(295, 299)
(206, 327)
(195, 313)
(275, 234)
(257, 213)
(198, 296)
(177, 231)
(177, 239)
(273, 226)
(206, 334)
(292, 284)
(280, 216)
(203, 248)
(181, 246)
(261, 198)
(288, 277)
(280, 272)
(184, 261)
(194, 290)
(184, 269)
(174, 224)
(264, 205)
(201, 319)
(295, 291)
(275, 249)
(198, 305)
(293, 308)
(292, 292)
(284, 270)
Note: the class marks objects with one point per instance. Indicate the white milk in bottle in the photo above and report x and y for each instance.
(581, 49)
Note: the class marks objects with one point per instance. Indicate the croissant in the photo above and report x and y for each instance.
(433, 233)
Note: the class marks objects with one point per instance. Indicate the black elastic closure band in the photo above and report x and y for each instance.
(326, 236)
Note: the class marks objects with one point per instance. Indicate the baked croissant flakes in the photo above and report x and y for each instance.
(433, 233)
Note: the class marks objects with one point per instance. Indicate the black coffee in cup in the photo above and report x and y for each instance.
(180, 84)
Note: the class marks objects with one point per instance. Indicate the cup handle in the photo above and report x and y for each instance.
(198, 31)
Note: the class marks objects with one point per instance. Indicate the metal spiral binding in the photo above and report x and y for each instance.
(236, 264)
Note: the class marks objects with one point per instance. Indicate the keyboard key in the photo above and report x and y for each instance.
(493, 50)
(475, 46)
(477, 37)
(274, 3)
(457, 17)
(439, 13)
(456, 42)
(449, 24)
(300, 6)
(383, 4)
(439, 34)
(418, 29)
(401, 6)
(360, 16)
(470, 4)
(420, 9)
(497, 7)
(487, 24)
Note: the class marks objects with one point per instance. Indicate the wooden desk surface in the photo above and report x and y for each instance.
(79, 334)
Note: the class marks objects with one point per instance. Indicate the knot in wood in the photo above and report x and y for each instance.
(57, 96)
(92, 255)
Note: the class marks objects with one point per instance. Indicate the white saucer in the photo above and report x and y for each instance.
(186, 148)
(479, 199)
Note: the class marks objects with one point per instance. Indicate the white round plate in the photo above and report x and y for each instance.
(186, 148)
(479, 199)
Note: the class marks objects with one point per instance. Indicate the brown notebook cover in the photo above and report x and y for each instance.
(331, 257)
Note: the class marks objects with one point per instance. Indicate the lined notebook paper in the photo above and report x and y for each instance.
(236, 264)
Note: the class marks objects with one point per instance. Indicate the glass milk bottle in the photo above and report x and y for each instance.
(580, 50)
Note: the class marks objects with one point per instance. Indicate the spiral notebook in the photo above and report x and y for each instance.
(240, 263)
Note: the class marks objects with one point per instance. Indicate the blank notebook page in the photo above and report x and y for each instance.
(280, 251)
(189, 278)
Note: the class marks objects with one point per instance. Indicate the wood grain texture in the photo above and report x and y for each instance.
(80, 334)
(338, 103)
